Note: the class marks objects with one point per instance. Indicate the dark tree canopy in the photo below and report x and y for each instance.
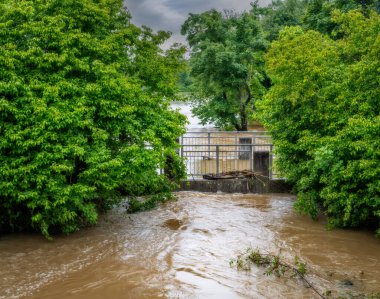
(319, 12)
(82, 93)
(226, 66)
(279, 14)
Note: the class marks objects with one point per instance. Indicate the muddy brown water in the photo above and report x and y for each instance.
(182, 250)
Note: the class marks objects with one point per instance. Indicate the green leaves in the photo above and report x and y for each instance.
(83, 92)
(280, 14)
(323, 113)
(226, 66)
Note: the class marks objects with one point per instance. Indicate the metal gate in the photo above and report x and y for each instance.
(220, 152)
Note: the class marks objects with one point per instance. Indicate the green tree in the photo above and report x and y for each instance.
(226, 66)
(323, 112)
(184, 82)
(84, 115)
(318, 14)
(279, 14)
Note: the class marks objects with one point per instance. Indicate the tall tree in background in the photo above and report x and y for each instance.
(226, 66)
(279, 14)
(82, 94)
(318, 14)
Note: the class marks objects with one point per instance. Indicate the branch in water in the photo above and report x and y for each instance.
(273, 264)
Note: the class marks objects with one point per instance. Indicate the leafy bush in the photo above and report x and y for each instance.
(323, 113)
(83, 111)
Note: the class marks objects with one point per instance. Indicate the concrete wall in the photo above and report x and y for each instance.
(259, 185)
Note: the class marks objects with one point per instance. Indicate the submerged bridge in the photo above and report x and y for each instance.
(221, 155)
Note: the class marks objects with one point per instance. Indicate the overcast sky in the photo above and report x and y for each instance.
(170, 14)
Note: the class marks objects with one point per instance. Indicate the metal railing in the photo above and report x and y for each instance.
(215, 153)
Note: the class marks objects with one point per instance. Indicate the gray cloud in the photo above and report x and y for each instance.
(169, 15)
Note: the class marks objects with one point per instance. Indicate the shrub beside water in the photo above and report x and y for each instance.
(82, 93)
(323, 112)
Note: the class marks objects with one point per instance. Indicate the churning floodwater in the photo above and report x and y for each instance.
(182, 250)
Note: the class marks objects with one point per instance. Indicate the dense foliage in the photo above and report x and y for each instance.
(319, 13)
(226, 66)
(84, 115)
(323, 113)
(279, 14)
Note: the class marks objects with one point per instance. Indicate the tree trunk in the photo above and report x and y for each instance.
(243, 119)
(242, 124)
(245, 98)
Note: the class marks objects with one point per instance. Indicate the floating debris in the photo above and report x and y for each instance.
(236, 174)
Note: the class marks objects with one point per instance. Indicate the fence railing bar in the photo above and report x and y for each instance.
(220, 144)
(212, 138)
(230, 132)
(206, 152)
(217, 160)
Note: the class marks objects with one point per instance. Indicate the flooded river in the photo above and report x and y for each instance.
(182, 250)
